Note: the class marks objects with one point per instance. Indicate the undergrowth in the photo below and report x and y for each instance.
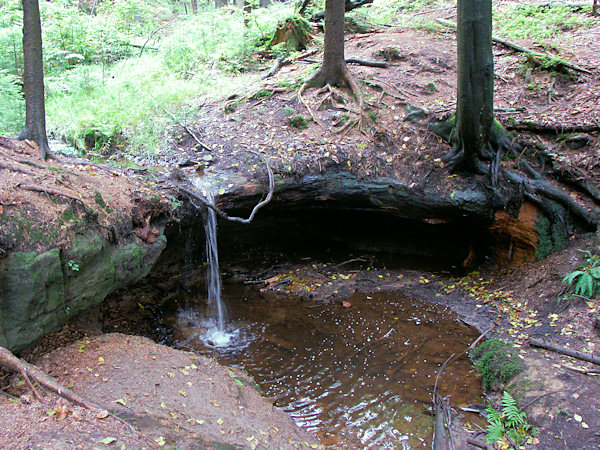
(528, 21)
(509, 422)
(496, 361)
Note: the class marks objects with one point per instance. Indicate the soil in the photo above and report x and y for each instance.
(526, 300)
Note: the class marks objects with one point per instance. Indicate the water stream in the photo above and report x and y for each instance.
(359, 376)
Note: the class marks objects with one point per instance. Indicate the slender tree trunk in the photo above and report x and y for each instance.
(334, 70)
(35, 111)
(475, 81)
(195, 6)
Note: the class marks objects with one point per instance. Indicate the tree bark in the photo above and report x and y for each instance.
(334, 62)
(475, 112)
(35, 110)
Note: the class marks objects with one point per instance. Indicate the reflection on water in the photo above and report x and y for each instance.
(358, 376)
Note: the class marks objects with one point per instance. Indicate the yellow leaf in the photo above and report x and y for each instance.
(121, 401)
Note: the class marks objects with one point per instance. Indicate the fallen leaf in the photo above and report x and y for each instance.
(108, 440)
(220, 421)
(346, 304)
(102, 414)
(160, 441)
(584, 425)
(121, 401)
(100, 360)
(577, 417)
(182, 392)
(214, 402)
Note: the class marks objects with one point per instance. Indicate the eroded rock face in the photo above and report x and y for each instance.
(39, 292)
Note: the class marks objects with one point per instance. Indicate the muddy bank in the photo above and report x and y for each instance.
(167, 397)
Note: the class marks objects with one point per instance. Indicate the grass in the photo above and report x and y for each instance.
(203, 56)
(524, 21)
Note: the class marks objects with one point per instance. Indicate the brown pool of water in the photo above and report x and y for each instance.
(359, 375)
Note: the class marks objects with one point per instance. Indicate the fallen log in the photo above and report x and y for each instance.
(564, 350)
(521, 49)
(442, 434)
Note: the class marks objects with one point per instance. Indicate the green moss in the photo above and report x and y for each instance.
(552, 235)
(299, 122)
(496, 361)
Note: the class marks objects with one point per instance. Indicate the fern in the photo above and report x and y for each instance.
(513, 415)
(511, 422)
(585, 277)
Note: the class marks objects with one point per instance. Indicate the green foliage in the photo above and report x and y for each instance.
(299, 122)
(290, 35)
(73, 265)
(511, 422)
(586, 277)
(528, 21)
(12, 105)
(496, 361)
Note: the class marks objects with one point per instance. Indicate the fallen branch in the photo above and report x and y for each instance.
(564, 350)
(549, 128)
(363, 62)
(202, 199)
(584, 371)
(279, 63)
(442, 434)
(520, 49)
(49, 191)
(27, 371)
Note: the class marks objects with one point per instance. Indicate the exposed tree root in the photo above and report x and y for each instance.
(344, 78)
(7, 166)
(29, 371)
(49, 191)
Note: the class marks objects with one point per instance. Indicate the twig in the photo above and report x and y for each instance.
(191, 193)
(483, 335)
(6, 394)
(438, 376)
(477, 443)
(584, 371)
(349, 261)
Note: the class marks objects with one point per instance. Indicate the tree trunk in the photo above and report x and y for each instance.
(333, 70)
(195, 6)
(475, 82)
(220, 3)
(35, 112)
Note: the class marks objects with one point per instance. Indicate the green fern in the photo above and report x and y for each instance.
(511, 422)
(586, 277)
(514, 417)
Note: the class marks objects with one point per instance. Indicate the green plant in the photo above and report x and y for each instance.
(12, 105)
(510, 422)
(585, 277)
(73, 265)
(496, 362)
(299, 122)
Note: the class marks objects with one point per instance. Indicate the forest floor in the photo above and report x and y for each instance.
(154, 388)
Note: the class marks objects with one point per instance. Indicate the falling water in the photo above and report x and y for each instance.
(217, 309)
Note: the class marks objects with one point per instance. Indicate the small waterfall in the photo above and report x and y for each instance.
(213, 277)
(217, 333)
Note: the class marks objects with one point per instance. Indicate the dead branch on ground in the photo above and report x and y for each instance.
(520, 49)
(7, 166)
(564, 350)
(30, 372)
